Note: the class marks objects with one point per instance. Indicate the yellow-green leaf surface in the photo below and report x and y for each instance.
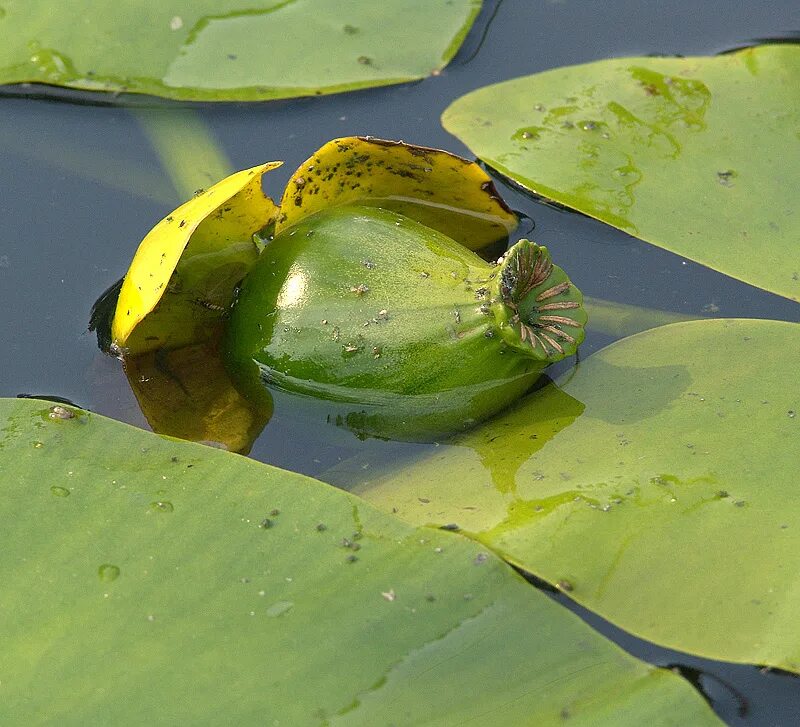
(219, 50)
(700, 156)
(183, 275)
(149, 581)
(658, 485)
(434, 187)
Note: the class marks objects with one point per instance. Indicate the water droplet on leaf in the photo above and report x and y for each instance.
(108, 572)
(279, 608)
(161, 506)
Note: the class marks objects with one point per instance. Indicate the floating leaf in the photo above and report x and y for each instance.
(434, 187)
(700, 156)
(659, 482)
(182, 278)
(148, 581)
(217, 50)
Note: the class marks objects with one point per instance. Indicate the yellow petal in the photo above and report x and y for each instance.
(183, 275)
(434, 187)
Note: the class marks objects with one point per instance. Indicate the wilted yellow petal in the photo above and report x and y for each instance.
(434, 187)
(182, 277)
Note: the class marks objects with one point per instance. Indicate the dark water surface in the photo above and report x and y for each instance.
(83, 184)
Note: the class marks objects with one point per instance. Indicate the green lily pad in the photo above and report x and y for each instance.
(219, 50)
(700, 156)
(149, 581)
(657, 484)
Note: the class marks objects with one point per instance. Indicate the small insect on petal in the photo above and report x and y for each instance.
(209, 305)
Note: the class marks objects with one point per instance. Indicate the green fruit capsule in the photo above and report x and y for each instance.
(394, 328)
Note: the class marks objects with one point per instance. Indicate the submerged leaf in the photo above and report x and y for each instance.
(660, 480)
(229, 591)
(218, 50)
(696, 155)
(434, 187)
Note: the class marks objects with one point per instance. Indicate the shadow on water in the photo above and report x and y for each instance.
(477, 36)
(792, 38)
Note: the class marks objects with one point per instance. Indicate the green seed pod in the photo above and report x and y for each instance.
(395, 328)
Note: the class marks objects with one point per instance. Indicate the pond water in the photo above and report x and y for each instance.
(83, 185)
